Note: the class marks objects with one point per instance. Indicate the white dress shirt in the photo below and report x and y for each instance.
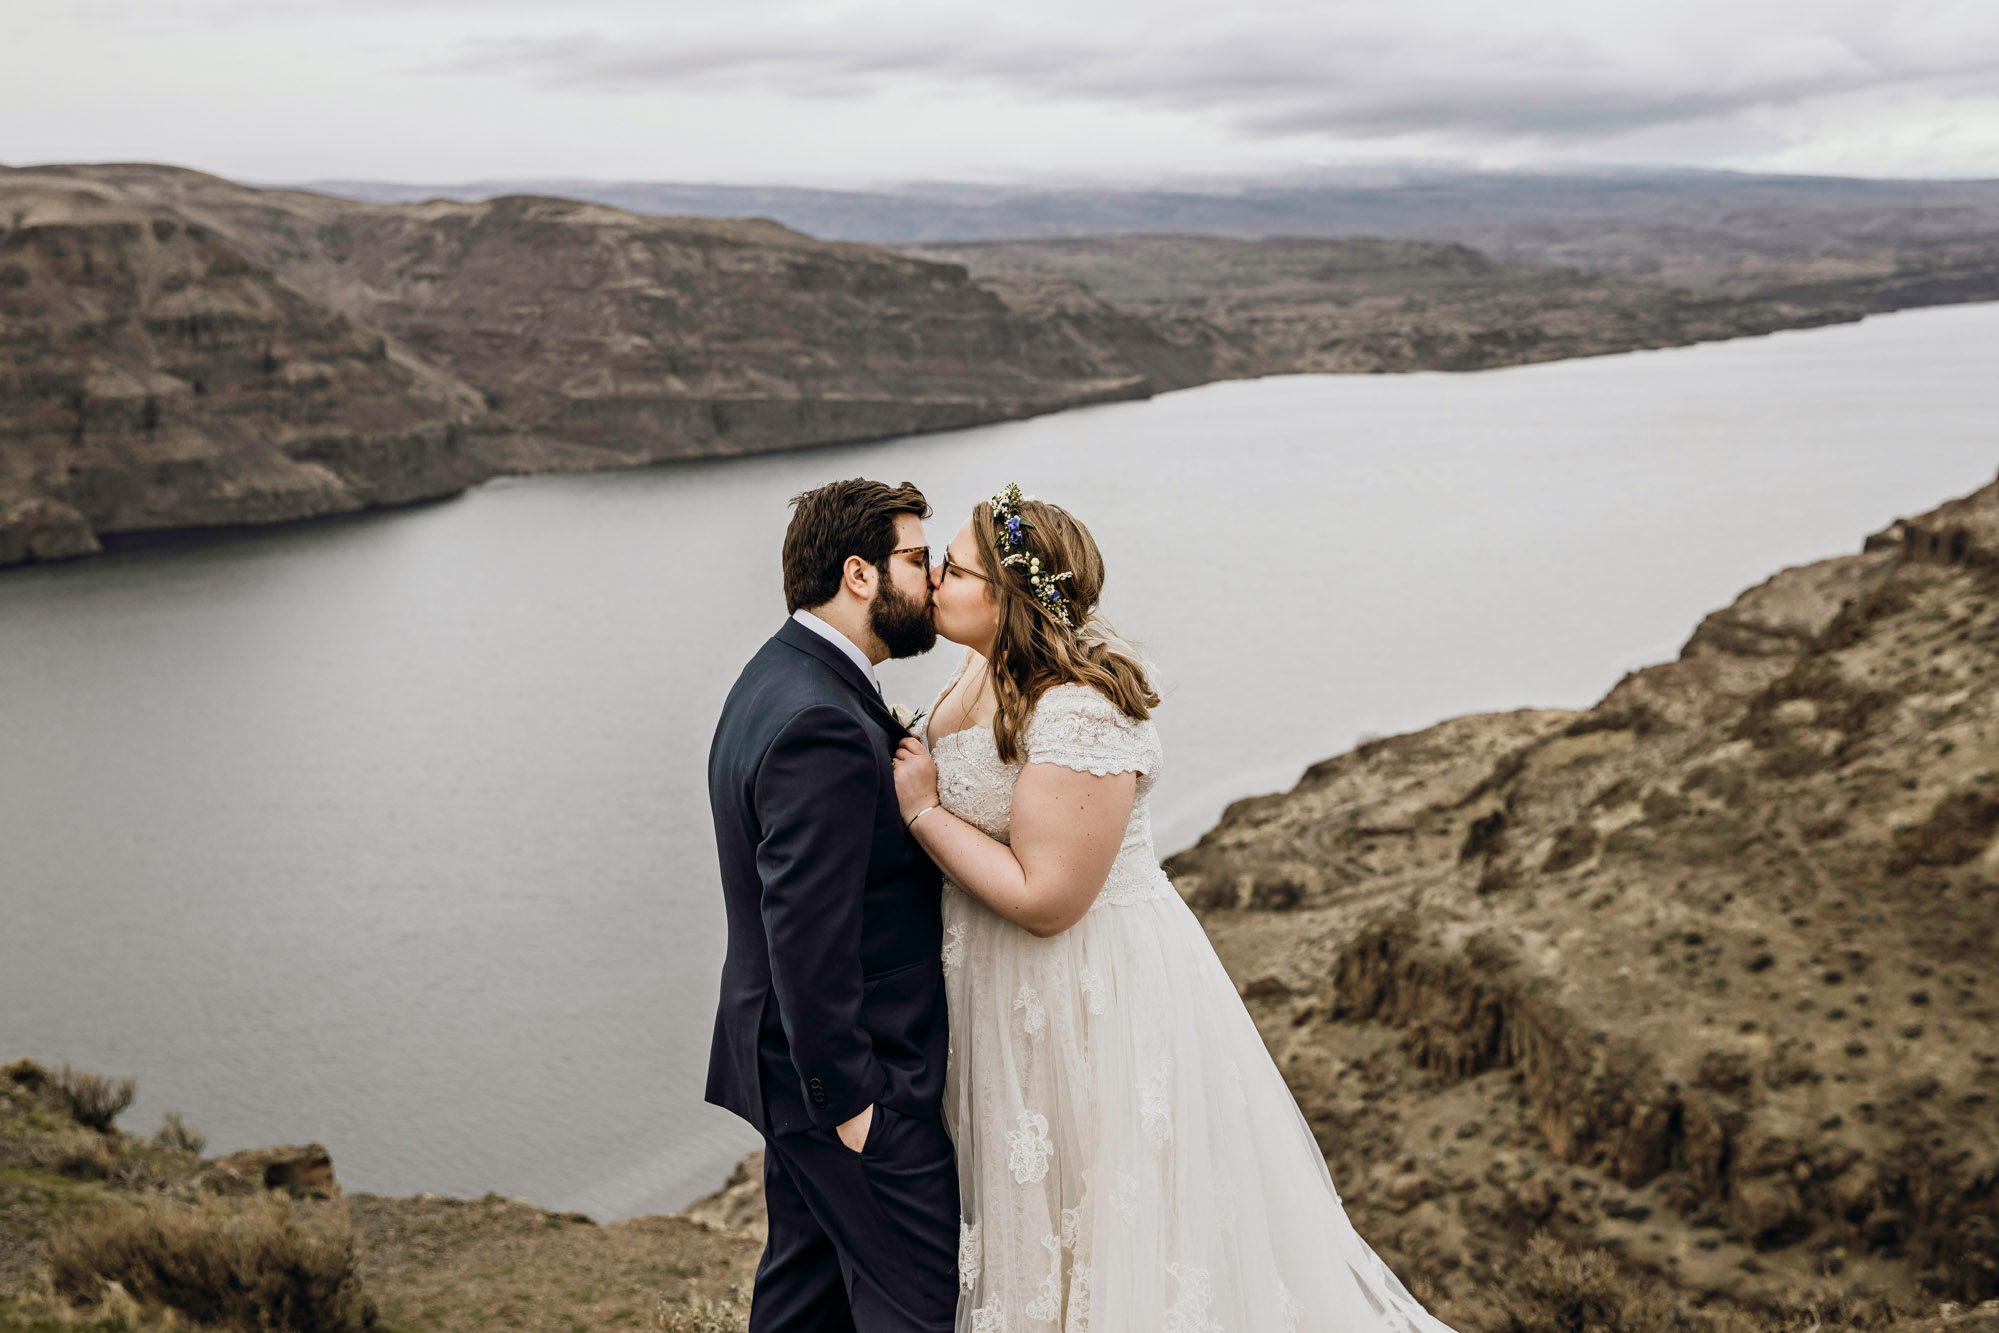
(840, 641)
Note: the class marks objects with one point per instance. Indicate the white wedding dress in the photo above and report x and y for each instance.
(1130, 1159)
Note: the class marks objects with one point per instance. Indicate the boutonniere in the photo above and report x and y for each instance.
(905, 716)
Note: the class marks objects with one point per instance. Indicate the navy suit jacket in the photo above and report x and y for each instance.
(833, 988)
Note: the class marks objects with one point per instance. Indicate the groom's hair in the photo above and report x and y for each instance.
(840, 519)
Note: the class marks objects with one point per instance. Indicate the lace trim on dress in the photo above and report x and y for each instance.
(1076, 727)
(1029, 1148)
(1155, 1105)
(1289, 1309)
(1093, 991)
(971, 1254)
(1047, 1305)
(1189, 1311)
(1033, 1017)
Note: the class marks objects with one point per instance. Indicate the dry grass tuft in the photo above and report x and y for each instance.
(117, 1313)
(264, 1266)
(176, 1135)
(1560, 1291)
(730, 1316)
(95, 1101)
(78, 1155)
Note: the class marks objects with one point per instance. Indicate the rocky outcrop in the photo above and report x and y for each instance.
(1701, 976)
(739, 1205)
(301, 1171)
(152, 376)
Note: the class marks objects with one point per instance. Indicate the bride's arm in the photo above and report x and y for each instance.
(1066, 829)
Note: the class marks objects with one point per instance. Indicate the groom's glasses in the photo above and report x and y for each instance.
(922, 554)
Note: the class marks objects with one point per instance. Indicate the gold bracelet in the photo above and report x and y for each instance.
(934, 805)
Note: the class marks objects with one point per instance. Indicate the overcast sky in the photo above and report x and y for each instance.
(874, 91)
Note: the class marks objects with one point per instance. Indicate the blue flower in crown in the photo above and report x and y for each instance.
(1012, 530)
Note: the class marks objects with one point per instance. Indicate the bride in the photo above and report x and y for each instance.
(1129, 1158)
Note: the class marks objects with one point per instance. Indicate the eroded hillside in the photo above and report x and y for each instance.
(1702, 977)
(177, 350)
(1299, 305)
(151, 376)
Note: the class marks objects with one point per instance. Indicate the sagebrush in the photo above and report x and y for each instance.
(94, 1100)
(265, 1265)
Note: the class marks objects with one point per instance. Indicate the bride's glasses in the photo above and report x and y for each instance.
(949, 566)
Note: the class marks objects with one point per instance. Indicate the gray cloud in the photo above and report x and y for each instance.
(1321, 79)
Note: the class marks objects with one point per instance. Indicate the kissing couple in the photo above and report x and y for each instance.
(1003, 1081)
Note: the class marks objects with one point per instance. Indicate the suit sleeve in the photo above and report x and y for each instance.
(816, 793)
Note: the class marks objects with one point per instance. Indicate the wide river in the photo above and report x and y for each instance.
(392, 832)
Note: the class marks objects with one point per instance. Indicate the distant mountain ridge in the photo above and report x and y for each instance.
(1680, 225)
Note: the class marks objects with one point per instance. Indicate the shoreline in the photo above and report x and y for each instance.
(171, 540)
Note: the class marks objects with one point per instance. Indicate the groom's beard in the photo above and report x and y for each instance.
(903, 624)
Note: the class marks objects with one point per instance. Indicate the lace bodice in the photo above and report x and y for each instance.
(1076, 727)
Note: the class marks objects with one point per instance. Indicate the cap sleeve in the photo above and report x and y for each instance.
(1076, 727)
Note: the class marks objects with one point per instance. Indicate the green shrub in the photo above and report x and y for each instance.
(266, 1265)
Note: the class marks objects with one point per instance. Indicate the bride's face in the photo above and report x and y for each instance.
(966, 610)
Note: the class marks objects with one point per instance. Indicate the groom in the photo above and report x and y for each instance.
(830, 1037)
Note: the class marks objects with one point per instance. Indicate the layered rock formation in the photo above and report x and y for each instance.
(152, 376)
(1702, 977)
(180, 351)
(1297, 305)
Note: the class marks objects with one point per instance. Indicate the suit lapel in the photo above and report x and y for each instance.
(794, 635)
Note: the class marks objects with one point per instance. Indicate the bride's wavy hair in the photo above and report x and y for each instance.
(1033, 651)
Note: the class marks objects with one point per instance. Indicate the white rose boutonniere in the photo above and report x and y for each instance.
(905, 716)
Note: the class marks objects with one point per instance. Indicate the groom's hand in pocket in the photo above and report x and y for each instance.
(854, 1133)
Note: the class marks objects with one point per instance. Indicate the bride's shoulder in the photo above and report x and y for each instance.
(1078, 726)
(1073, 698)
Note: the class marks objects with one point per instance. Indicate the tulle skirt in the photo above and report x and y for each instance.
(1129, 1156)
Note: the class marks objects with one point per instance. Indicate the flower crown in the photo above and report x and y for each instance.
(1012, 531)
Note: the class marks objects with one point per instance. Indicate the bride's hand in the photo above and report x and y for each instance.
(915, 778)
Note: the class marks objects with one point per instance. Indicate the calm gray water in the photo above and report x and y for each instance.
(392, 833)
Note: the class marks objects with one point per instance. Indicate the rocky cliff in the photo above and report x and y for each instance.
(1701, 977)
(1297, 305)
(177, 350)
(153, 376)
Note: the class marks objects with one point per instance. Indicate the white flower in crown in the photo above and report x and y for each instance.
(905, 716)
(1012, 531)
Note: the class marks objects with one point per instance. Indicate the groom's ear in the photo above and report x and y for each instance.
(859, 577)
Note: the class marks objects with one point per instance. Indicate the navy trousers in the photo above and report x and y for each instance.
(860, 1242)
